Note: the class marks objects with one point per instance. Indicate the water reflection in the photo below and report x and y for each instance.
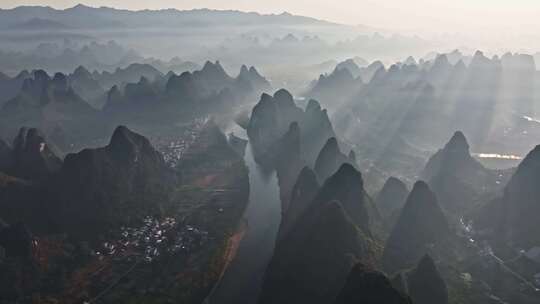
(242, 280)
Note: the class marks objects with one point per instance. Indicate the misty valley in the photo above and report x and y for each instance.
(227, 157)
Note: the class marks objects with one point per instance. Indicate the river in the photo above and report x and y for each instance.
(242, 280)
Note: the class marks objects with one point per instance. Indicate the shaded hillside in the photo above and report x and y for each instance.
(392, 197)
(322, 241)
(421, 226)
(459, 180)
(120, 227)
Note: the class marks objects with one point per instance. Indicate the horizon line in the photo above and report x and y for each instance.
(81, 5)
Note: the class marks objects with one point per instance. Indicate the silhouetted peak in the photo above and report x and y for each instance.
(255, 74)
(410, 61)
(425, 283)
(348, 68)
(213, 68)
(365, 285)
(421, 225)
(426, 264)
(284, 99)
(121, 136)
(348, 173)
(307, 176)
(60, 82)
(422, 202)
(392, 196)
(82, 72)
(460, 66)
(520, 201)
(23, 75)
(244, 70)
(41, 75)
(127, 146)
(185, 76)
(80, 7)
(441, 62)
(343, 74)
(329, 159)
(350, 62)
(290, 38)
(253, 77)
(479, 54)
(313, 106)
(379, 75)
(377, 64)
(180, 83)
(304, 190)
(394, 68)
(421, 193)
(480, 61)
(331, 145)
(458, 143)
(532, 157)
(265, 98)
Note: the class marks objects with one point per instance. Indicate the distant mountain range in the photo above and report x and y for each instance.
(85, 17)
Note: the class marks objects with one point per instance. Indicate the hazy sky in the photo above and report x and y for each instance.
(427, 15)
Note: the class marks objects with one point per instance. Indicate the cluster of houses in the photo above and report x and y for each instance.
(154, 238)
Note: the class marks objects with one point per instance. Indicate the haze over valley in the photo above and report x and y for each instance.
(240, 152)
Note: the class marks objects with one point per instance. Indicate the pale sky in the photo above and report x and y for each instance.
(422, 15)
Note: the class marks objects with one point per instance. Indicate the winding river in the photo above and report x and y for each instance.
(242, 280)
